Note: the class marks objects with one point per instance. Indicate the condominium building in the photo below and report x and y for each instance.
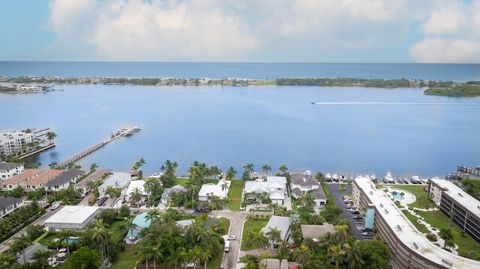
(8, 170)
(409, 247)
(459, 206)
(12, 143)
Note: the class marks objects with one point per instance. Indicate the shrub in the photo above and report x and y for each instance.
(432, 237)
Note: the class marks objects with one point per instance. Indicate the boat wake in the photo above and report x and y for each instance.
(398, 103)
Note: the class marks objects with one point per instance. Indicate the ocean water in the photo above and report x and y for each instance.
(455, 72)
(349, 130)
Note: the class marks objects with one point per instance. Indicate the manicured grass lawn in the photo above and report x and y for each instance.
(216, 260)
(251, 225)
(421, 195)
(466, 245)
(128, 258)
(235, 195)
(225, 224)
(181, 181)
(422, 228)
(117, 230)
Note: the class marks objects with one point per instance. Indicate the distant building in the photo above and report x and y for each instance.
(14, 143)
(72, 217)
(64, 180)
(456, 204)
(8, 205)
(8, 170)
(42, 179)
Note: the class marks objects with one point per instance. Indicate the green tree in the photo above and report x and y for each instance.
(231, 172)
(247, 171)
(283, 170)
(447, 235)
(153, 187)
(266, 169)
(113, 193)
(337, 254)
(93, 167)
(22, 243)
(274, 236)
(354, 254)
(50, 136)
(101, 236)
(136, 197)
(40, 258)
(84, 258)
(302, 254)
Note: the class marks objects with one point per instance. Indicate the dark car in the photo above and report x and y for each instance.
(202, 210)
(101, 201)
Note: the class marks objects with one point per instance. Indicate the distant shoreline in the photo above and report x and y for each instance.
(432, 87)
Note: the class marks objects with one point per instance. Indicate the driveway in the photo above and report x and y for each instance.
(337, 196)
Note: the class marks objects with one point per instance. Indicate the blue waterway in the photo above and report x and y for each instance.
(455, 72)
(230, 126)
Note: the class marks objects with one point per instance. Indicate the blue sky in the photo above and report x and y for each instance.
(249, 30)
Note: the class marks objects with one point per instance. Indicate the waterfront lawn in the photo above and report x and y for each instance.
(467, 246)
(422, 200)
(181, 181)
(128, 258)
(216, 261)
(422, 228)
(235, 195)
(249, 227)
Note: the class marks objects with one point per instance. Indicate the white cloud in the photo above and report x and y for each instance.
(451, 34)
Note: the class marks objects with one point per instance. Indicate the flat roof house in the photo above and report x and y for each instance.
(20, 179)
(72, 217)
(314, 232)
(63, 180)
(7, 170)
(8, 205)
(117, 180)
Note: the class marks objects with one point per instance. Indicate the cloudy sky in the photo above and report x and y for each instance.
(247, 30)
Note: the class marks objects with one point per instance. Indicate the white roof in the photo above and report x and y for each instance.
(117, 179)
(185, 223)
(254, 186)
(276, 182)
(406, 232)
(281, 223)
(211, 189)
(460, 196)
(73, 214)
(136, 184)
(277, 195)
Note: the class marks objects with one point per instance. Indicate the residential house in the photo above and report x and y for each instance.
(72, 218)
(132, 187)
(42, 179)
(8, 170)
(210, 190)
(116, 179)
(306, 182)
(97, 175)
(64, 180)
(168, 191)
(314, 232)
(20, 179)
(275, 188)
(280, 223)
(8, 205)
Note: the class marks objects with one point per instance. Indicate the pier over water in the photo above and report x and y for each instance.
(115, 135)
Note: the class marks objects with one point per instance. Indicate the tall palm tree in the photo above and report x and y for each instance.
(65, 236)
(22, 243)
(283, 169)
(7, 260)
(274, 235)
(266, 169)
(153, 215)
(247, 171)
(101, 236)
(195, 254)
(151, 252)
(50, 136)
(205, 255)
(231, 172)
(336, 253)
(93, 166)
(136, 196)
(447, 235)
(342, 232)
(41, 258)
(224, 187)
(306, 199)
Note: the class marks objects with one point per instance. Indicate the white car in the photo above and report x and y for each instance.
(232, 237)
(55, 206)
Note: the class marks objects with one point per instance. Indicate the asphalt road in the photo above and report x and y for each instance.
(6, 244)
(337, 196)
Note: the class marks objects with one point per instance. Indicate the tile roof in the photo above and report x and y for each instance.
(26, 175)
(316, 231)
(303, 179)
(44, 177)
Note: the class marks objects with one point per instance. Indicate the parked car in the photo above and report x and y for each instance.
(202, 210)
(232, 237)
(101, 201)
(227, 246)
(55, 205)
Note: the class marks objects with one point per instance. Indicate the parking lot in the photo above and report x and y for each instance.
(352, 215)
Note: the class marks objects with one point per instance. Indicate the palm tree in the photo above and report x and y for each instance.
(307, 200)
(231, 172)
(41, 258)
(93, 166)
(266, 169)
(224, 186)
(153, 215)
(93, 186)
(354, 254)
(151, 252)
(447, 235)
(302, 254)
(257, 239)
(195, 255)
(65, 236)
(136, 196)
(7, 259)
(50, 136)
(336, 253)
(283, 169)
(205, 256)
(247, 171)
(342, 232)
(274, 235)
(101, 236)
(22, 243)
